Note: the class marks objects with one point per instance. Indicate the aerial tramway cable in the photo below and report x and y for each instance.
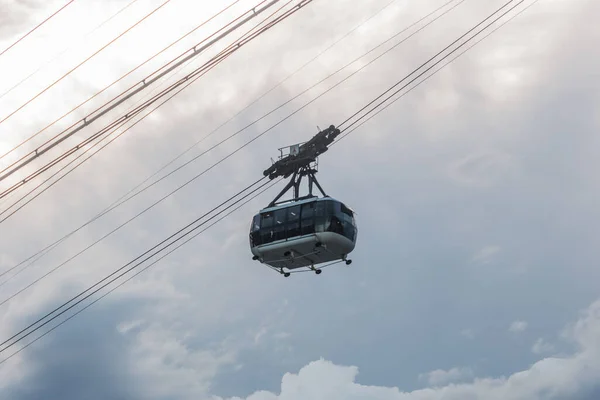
(81, 63)
(355, 127)
(36, 27)
(18, 336)
(63, 52)
(268, 186)
(126, 268)
(100, 239)
(261, 134)
(25, 160)
(221, 56)
(115, 81)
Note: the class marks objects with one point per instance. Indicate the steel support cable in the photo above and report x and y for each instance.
(281, 121)
(242, 110)
(123, 270)
(48, 248)
(140, 108)
(48, 321)
(535, 1)
(63, 52)
(116, 81)
(269, 185)
(118, 202)
(298, 95)
(127, 94)
(428, 61)
(81, 63)
(134, 217)
(110, 132)
(36, 27)
(436, 71)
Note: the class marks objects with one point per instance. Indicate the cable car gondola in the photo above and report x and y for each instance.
(307, 231)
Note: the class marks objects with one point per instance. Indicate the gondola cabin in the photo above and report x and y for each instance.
(303, 233)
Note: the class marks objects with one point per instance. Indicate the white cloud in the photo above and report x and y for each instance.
(550, 378)
(442, 377)
(541, 346)
(518, 326)
(468, 333)
(485, 254)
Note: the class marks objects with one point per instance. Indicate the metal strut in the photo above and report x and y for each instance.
(295, 182)
(300, 163)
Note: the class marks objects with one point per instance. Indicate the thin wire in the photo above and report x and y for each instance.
(66, 50)
(437, 70)
(431, 67)
(118, 80)
(118, 202)
(227, 52)
(126, 222)
(81, 63)
(218, 59)
(111, 131)
(52, 246)
(281, 121)
(425, 63)
(248, 106)
(136, 274)
(49, 248)
(23, 161)
(109, 292)
(152, 249)
(36, 27)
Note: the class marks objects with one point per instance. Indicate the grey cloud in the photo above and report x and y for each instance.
(411, 286)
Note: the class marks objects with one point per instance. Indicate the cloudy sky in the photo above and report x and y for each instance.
(475, 273)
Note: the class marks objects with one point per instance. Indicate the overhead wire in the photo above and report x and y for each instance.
(100, 239)
(256, 100)
(269, 186)
(6, 172)
(349, 131)
(83, 62)
(41, 319)
(266, 131)
(36, 27)
(429, 68)
(208, 66)
(128, 267)
(230, 119)
(63, 52)
(118, 80)
(187, 79)
(276, 124)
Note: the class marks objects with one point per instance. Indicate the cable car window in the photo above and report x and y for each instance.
(266, 220)
(266, 235)
(280, 216)
(346, 210)
(293, 229)
(255, 223)
(293, 213)
(279, 232)
(320, 209)
(308, 210)
(348, 230)
(335, 225)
